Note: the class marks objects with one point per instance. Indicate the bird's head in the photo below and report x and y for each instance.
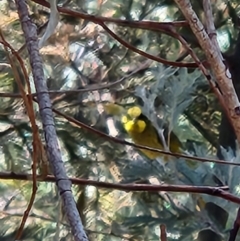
(131, 121)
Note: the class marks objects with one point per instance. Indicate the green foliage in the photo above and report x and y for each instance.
(178, 99)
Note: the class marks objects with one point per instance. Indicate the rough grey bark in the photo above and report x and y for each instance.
(45, 108)
(215, 60)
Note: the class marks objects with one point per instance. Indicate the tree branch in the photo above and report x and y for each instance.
(215, 60)
(213, 191)
(45, 108)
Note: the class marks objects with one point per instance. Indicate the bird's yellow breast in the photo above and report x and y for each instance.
(143, 134)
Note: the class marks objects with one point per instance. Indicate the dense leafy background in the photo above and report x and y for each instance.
(81, 55)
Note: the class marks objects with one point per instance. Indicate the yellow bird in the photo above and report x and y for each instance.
(142, 132)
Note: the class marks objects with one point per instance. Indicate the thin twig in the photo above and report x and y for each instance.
(213, 191)
(136, 50)
(204, 71)
(28, 102)
(164, 27)
(120, 141)
(163, 233)
(215, 60)
(76, 91)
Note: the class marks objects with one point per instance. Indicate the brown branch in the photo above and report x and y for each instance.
(164, 27)
(215, 60)
(120, 141)
(163, 233)
(213, 191)
(136, 50)
(76, 91)
(136, 24)
(204, 71)
(28, 102)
